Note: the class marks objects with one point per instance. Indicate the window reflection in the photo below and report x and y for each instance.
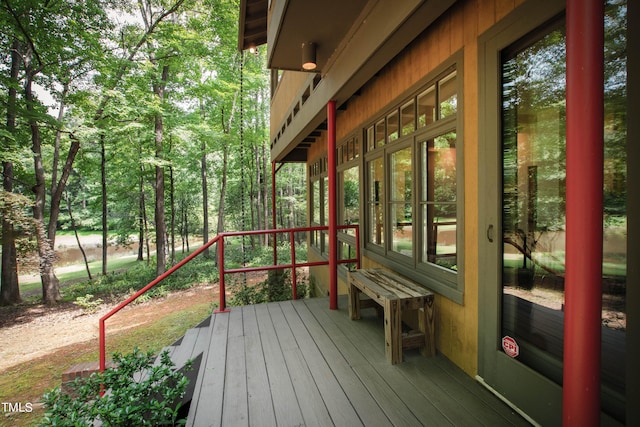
(376, 201)
(401, 202)
(438, 201)
(534, 202)
(350, 198)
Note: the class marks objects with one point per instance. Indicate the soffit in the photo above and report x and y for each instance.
(252, 28)
(294, 22)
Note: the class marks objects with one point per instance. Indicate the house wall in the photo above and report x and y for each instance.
(290, 88)
(457, 30)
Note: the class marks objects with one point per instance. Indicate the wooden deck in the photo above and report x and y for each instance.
(298, 363)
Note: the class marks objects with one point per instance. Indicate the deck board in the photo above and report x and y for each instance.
(258, 392)
(285, 401)
(368, 411)
(298, 363)
(327, 384)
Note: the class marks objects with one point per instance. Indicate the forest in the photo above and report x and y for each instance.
(139, 120)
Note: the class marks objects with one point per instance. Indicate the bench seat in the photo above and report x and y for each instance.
(394, 294)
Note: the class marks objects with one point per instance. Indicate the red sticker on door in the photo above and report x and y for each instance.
(510, 346)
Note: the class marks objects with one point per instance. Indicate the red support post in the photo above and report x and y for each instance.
(294, 278)
(333, 212)
(223, 295)
(585, 153)
(273, 211)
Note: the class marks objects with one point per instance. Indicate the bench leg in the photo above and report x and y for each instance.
(426, 324)
(392, 331)
(354, 303)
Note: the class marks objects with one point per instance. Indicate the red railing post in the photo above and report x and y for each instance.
(223, 294)
(294, 278)
(103, 356)
(274, 223)
(357, 247)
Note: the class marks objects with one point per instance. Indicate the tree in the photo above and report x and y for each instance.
(9, 289)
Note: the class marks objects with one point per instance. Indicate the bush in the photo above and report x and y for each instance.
(139, 393)
(276, 288)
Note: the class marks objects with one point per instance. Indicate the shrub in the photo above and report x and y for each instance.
(277, 287)
(87, 304)
(139, 393)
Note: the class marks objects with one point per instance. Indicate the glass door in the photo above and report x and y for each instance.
(522, 357)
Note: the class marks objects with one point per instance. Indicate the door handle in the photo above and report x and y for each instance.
(490, 233)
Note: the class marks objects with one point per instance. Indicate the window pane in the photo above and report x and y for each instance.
(438, 200)
(371, 139)
(439, 234)
(408, 118)
(439, 160)
(401, 202)
(444, 168)
(380, 133)
(356, 148)
(315, 212)
(346, 251)
(375, 201)
(325, 204)
(447, 94)
(392, 126)
(350, 200)
(427, 107)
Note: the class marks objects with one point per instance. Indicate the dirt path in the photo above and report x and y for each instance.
(26, 334)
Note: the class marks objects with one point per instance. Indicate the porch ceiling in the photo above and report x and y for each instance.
(294, 22)
(252, 28)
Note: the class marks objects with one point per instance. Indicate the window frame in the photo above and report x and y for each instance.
(353, 146)
(447, 282)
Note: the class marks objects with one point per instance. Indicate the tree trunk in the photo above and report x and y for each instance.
(140, 219)
(105, 212)
(205, 199)
(50, 283)
(266, 178)
(75, 232)
(173, 215)
(9, 286)
(145, 222)
(186, 226)
(161, 232)
(223, 190)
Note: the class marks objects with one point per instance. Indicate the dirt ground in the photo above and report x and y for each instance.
(37, 330)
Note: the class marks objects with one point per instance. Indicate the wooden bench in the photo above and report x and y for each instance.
(395, 295)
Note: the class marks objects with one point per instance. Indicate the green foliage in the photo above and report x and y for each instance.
(89, 304)
(277, 287)
(138, 393)
(118, 285)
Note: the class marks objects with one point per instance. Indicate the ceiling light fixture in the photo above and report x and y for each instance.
(309, 56)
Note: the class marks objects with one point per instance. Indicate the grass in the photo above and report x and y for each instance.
(28, 381)
(117, 264)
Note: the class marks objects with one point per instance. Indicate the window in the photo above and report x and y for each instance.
(438, 200)
(348, 196)
(400, 205)
(411, 178)
(350, 206)
(317, 177)
(375, 172)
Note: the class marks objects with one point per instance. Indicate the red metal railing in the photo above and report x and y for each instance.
(219, 239)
